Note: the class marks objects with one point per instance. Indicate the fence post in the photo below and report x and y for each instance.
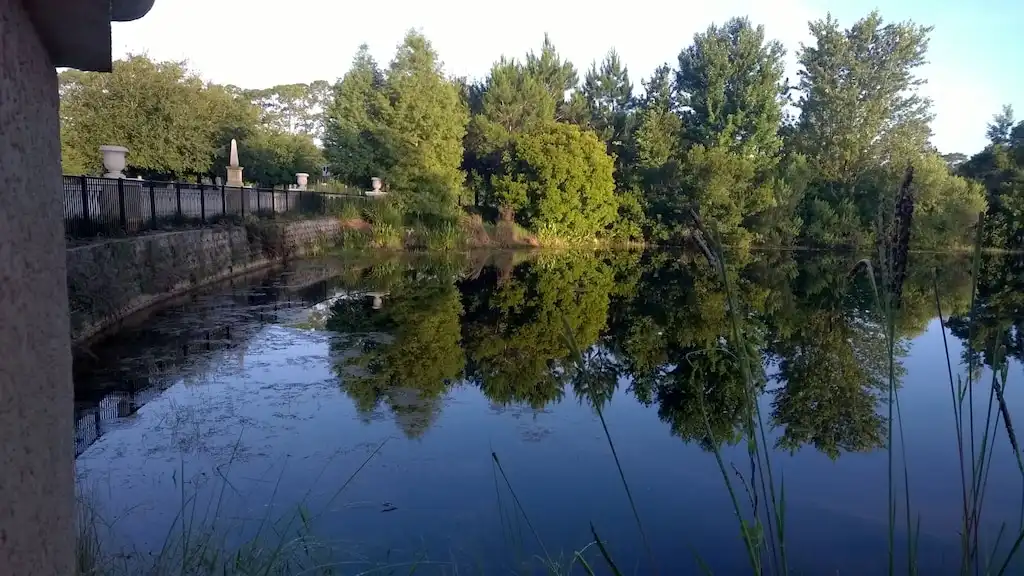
(258, 209)
(177, 196)
(202, 203)
(152, 205)
(85, 204)
(223, 202)
(122, 213)
(243, 196)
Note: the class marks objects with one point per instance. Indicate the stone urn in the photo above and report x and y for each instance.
(301, 180)
(114, 160)
(375, 184)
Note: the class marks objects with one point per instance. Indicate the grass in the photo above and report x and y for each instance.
(197, 542)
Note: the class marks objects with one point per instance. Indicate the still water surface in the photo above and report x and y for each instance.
(249, 401)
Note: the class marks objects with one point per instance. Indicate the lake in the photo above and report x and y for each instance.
(492, 412)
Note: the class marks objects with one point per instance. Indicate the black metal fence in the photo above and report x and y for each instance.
(123, 207)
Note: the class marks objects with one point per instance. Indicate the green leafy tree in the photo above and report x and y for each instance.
(1000, 169)
(565, 177)
(419, 357)
(295, 108)
(1001, 127)
(609, 95)
(730, 82)
(511, 101)
(272, 158)
(171, 121)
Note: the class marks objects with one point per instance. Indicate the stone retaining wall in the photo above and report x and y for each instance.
(110, 280)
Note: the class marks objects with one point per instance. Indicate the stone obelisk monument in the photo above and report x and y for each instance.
(234, 170)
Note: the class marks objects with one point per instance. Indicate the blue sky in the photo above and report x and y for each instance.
(976, 51)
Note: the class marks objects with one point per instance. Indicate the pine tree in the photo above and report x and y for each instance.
(354, 123)
(730, 78)
(425, 122)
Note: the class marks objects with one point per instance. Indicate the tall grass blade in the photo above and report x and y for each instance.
(515, 498)
(604, 552)
(578, 358)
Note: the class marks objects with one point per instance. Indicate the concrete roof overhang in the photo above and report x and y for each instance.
(77, 32)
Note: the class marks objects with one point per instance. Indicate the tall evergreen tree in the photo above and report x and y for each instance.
(730, 86)
(860, 103)
(557, 75)
(609, 95)
(730, 81)
(1001, 126)
(425, 122)
(354, 123)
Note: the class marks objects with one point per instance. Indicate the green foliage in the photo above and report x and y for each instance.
(707, 137)
(567, 179)
(425, 122)
(176, 126)
(445, 236)
(418, 358)
(1000, 169)
(405, 125)
(353, 126)
(609, 96)
(558, 76)
(731, 78)
(716, 159)
(292, 108)
(172, 123)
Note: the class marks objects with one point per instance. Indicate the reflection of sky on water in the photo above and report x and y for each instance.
(269, 415)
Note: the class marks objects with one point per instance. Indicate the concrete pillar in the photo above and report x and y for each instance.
(36, 394)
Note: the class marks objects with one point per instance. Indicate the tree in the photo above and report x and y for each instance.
(354, 123)
(954, 159)
(860, 109)
(296, 108)
(424, 124)
(171, 122)
(1000, 128)
(730, 79)
(656, 151)
(1000, 169)
(558, 76)
(560, 180)
(730, 83)
(510, 102)
(272, 158)
(609, 95)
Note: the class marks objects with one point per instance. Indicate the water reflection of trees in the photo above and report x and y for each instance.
(994, 329)
(402, 348)
(659, 324)
(514, 327)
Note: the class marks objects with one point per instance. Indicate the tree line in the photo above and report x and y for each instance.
(720, 134)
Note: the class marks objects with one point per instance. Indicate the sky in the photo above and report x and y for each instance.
(976, 52)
